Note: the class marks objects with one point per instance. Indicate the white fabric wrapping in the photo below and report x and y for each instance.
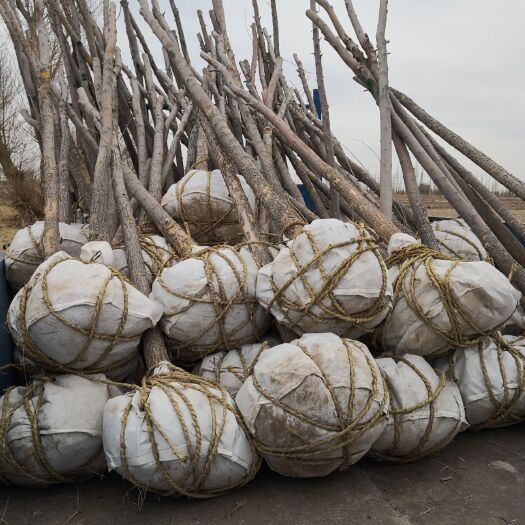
(483, 294)
(62, 340)
(26, 251)
(456, 239)
(334, 293)
(209, 303)
(184, 444)
(231, 368)
(100, 251)
(201, 201)
(68, 412)
(426, 411)
(491, 378)
(296, 404)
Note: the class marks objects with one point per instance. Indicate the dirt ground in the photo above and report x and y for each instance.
(478, 479)
(10, 222)
(438, 206)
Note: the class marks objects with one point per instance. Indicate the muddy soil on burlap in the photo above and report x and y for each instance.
(477, 479)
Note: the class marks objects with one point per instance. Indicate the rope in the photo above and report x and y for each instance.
(397, 413)
(26, 343)
(349, 425)
(504, 405)
(326, 299)
(464, 238)
(215, 293)
(406, 285)
(174, 384)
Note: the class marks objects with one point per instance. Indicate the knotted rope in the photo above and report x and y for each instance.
(398, 413)
(174, 384)
(27, 345)
(349, 425)
(324, 297)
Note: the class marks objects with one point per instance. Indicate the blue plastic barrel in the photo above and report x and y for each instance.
(7, 377)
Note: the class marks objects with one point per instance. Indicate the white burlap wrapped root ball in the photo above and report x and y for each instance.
(209, 303)
(26, 251)
(201, 201)
(156, 253)
(178, 434)
(51, 430)
(77, 315)
(314, 405)
(457, 240)
(441, 303)
(491, 378)
(426, 411)
(231, 368)
(331, 278)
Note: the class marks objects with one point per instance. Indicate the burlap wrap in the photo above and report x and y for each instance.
(51, 430)
(441, 303)
(201, 201)
(26, 251)
(491, 378)
(178, 434)
(426, 412)
(77, 315)
(330, 278)
(314, 405)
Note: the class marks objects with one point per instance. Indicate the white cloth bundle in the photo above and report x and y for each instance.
(201, 201)
(209, 302)
(491, 378)
(440, 304)
(314, 405)
(51, 430)
(231, 368)
(191, 425)
(331, 278)
(426, 412)
(26, 251)
(457, 240)
(80, 315)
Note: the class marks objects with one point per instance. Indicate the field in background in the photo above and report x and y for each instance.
(438, 206)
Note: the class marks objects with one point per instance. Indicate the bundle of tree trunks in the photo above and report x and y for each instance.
(188, 180)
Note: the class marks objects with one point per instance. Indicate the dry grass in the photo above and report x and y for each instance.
(10, 221)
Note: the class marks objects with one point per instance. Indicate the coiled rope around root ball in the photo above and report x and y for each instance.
(502, 408)
(418, 452)
(217, 296)
(32, 407)
(365, 242)
(172, 384)
(410, 258)
(38, 245)
(26, 344)
(349, 426)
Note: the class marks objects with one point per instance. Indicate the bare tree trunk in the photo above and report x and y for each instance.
(100, 202)
(385, 173)
(155, 177)
(51, 237)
